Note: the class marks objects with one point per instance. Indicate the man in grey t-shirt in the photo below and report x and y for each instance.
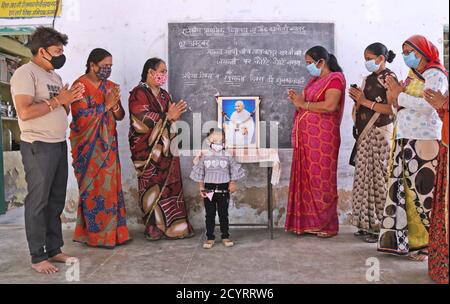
(42, 104)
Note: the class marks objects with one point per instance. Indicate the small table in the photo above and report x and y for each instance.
(260, 156)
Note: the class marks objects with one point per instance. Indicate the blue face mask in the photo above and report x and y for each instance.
(371, 66)
(313, 70)
(411, 60)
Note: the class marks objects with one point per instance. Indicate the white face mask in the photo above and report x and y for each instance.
(372, 66)
(217, 147)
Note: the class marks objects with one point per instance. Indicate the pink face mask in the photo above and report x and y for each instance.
(161, 78)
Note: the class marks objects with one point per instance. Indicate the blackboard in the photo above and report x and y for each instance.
(239, 59)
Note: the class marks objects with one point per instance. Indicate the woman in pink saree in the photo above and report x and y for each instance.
(313, 197)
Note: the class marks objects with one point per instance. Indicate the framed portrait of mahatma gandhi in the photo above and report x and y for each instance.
(239, 118)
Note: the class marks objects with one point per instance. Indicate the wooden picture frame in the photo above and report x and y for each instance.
(238, 116)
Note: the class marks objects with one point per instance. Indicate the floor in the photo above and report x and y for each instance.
(288, 259)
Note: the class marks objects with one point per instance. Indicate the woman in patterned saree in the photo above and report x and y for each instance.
(438, 250)
(101, 212)
(414, 157)
(373, 118)
(313, 197)
(152, 128)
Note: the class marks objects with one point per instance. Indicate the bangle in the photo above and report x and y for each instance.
(373, 105)
(57, 101)
(445, 105)
(117, 108)
(49, 105)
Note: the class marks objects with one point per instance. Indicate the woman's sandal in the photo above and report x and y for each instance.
(208, 244)
(371, 238)
(325, 235)
(360, 233)
(420, 256)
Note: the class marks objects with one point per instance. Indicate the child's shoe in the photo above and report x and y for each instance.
(228, 243)
(208, 244)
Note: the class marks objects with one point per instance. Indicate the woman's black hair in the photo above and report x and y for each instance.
(379, 49)
(319, 52)
(151, 63)
(96, 56)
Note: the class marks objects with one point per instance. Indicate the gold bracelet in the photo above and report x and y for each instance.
(57, 101)
(117, 108)
(373, 105)
(49, 104)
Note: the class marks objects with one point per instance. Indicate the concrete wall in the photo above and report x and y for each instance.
(136, 30)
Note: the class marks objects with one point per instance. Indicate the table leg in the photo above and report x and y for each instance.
(269, 201)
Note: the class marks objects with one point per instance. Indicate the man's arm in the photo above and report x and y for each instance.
(27, 109)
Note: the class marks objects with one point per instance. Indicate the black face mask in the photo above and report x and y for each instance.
(57, 61)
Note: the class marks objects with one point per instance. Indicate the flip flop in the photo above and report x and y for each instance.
(420, 256)
(360, 233)
(371, 238)
(324, 235)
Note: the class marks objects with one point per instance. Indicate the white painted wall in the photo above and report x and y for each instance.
(134, 31)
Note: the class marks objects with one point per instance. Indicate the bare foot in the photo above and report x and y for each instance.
(45, 267)
(62, 258)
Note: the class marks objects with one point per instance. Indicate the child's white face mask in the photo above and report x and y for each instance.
(217, 147)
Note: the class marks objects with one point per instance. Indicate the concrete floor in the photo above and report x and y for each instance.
(287, 259)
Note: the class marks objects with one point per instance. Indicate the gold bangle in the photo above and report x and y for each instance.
(49, 104)
(373, 105)
(117, 108)
(57, 100)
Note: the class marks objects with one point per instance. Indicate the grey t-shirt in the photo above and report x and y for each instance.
(30, 79)
(217, 168)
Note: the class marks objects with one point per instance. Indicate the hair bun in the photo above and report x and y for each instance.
(390, 56)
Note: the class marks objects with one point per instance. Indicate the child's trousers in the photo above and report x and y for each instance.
(219, 203)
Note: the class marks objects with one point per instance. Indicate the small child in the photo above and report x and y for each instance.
(216, 171)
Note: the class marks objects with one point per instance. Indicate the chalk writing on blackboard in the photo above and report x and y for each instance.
(238, 58)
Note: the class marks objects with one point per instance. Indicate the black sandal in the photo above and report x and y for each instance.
(360, 233)
(371, 238)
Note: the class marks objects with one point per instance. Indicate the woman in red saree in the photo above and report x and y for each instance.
(313, 197)
(101, 218)
(152, 128)
(438, 259)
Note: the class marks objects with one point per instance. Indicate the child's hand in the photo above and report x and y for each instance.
(202, 194)
(232, 187)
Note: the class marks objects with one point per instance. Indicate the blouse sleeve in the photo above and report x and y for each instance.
(198, 171)
(434, 80)
(335, 84)
(236, 170)
(139, 107)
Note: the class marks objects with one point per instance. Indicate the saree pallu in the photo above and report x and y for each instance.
(438, 259)
(371, 177)
(406, 216)
(160, 186)
(101, 218)
(313, 197)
